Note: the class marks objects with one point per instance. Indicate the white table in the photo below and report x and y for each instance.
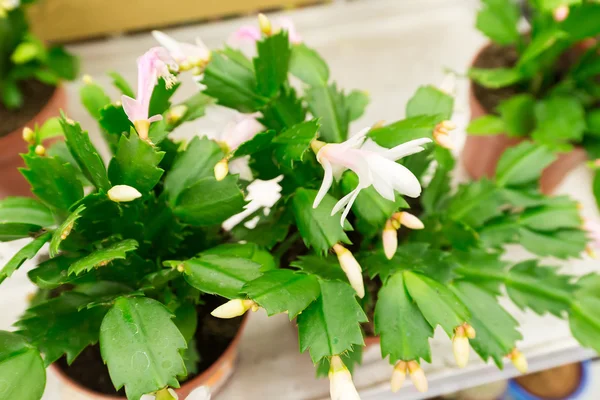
(388, 48)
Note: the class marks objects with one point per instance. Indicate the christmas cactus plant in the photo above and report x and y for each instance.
(348, 234)
(24, 57)
(542, 84)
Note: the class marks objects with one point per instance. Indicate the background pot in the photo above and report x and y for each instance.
(214, 377)
(481, 153)
(11, 145)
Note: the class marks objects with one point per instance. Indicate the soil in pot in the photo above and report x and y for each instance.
(555, 383)
(36, 95)
(213, 336)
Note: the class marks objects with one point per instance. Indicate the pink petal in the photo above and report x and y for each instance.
(287, 24)
(247, 32)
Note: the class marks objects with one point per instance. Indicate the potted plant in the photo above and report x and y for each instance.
(541, 85)
(30, 90)
(362, 252)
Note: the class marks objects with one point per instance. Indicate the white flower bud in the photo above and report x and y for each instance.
(265, 24)
(440, 134)
(233, 308)
(460, 346)
(221, 169)
(398, 376)
(341, 386)
(87, 79)
(28, 135)
(40, 150)
(518, 360)
(390, 240)
(351, 268)
(417, 375)
(409, 220)
(470, 331)
(123, 193)
(176, 113)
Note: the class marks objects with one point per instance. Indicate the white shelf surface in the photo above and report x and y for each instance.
(388, 48)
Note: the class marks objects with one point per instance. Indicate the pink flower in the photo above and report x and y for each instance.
(251, 34)
(593, 228)
(154, 64)
(186, 55)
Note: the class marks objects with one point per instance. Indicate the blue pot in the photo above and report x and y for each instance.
(516, 392)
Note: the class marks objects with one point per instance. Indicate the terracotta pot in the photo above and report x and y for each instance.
(214, 377)
(372, 341)
(481, 153)
(11, 145)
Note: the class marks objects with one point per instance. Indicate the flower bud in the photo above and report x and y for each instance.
(561, 13)
(518, 360)
(265, 24)
(441, 136)
(351, 268)
(417, 375)
(87, 79)
(316, 145)
(28, 135)
(123, 193)
(40, 150)
(390, 239)
(176, 113)
(470, 331)
(408, 220)
(233, 308)
(221, 169)
(341, 386)
(398, 375)
(460, 346)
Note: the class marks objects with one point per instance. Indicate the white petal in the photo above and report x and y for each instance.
(123, 193)
(343, 201)
(406, 149)
(148, 397)
(356, 140)
(349, 206)
(201, 393)
(166, 41)
(327, 182)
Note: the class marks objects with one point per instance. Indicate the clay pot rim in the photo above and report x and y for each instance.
(205, 375)
(59, 90)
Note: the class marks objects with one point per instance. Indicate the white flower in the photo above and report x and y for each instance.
(200, 393)
(261, 194)
(341, 386)
(234, 308)
(123, 193)
(186, 55)
(374, 165)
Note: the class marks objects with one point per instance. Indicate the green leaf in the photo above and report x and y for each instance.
(121, 83)
(85, 154)
(135, 164)
(496, 329)
(141, 346)
(284, 111)
(51, 128)
(195, 108)
(267, 233)
(522, 164)
(475, 203)
(327, 268)
(596, 187)
(556, 213)
(102, 257)
(436, 194)
(539, 45)
(24, 210)
(593, 121)
(21, 368)
(28, 51)
(271, 64)
(559, 119)
(10, 231)
(319, 229)
(161, 97)
(429, 100)
(487, 125)
(403, 330)
(405, 130)
(437, 303)
(186, 319)
(329, 105)
(26, 253)
(518, 114)
(564, 243)
(583, 316)
(94, 98)
(580, 23)
(210, 202)
(63, 231)
(282, 290)
(114, 120)
(231, 84)
(62, 325)
(498, 20)
(219, 274)
(53, 273)
(351, 359)
(65, 65)
(495, 78)
(259, 142)
(294, 142)
(196, 162)
(331, 324)
(249, 251)
(53, 182)
(357, 101)
(308, 66)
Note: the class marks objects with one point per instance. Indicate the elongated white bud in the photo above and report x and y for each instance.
(417, 376)
(123, 193)
(398, 375)
(40, 150)
(221, 169)
(519, 361)
(233, 308)
(28, 135)
(460, 346)
(265, 24)
(389, 239)
(408, 220)
(351, 268)
(341, 386)
(176, 113)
